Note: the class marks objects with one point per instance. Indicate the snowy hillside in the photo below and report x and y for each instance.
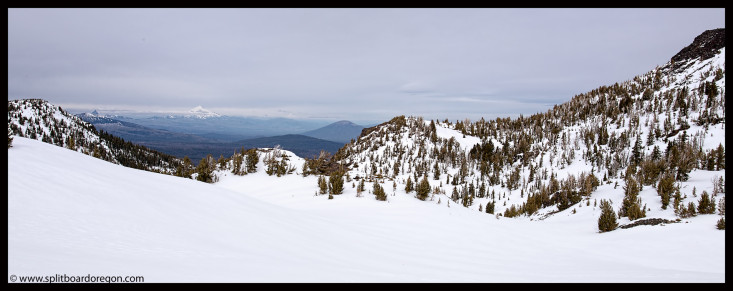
(668, 124)
(41, 120)
(70, 213)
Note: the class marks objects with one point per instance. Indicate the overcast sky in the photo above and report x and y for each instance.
(358, 64)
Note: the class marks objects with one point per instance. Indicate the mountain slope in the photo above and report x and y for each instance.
(103, 219)
(666, 123)
(38, 119)
(341, 131)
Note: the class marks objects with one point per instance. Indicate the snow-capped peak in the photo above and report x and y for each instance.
(201, 112)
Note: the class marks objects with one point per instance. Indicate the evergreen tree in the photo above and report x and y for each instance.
(322, 185)
(665, 189)
(222, 162)
(252, 159)
(636, 153)
(379, 191)
(187, 168)
(10, 138)
(631, 205)
(70, 143)
(237, 160)
(423, 189)
(454, 196)
(436, 171)
(490, 207)
(705, 205)
(408, 185)
(721, 207)
(361, 187)
(433, 132)
(607, 220)
(203, 171)
(336, 183)
(721, 224)
(720, 157)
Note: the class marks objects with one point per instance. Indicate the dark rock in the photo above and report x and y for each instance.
(705, 46)
(648, 221)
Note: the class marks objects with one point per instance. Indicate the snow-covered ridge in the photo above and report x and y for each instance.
(41, 120)
(594, 134)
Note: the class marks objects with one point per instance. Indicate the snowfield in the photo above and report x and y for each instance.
(72, 214)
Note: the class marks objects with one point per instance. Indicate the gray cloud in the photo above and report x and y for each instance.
(366, 64)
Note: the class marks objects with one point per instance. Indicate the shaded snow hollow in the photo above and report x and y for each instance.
(72, 214)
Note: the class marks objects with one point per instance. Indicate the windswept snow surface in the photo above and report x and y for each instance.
(72, 214)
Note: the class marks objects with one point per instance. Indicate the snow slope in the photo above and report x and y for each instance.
(72, 214)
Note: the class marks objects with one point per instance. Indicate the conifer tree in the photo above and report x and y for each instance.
(70, 143)
(636, 153)
(490, 207)
(408, 185)
(607, 220)
(665, 189)
(631, 205)
(336, 183)
(222, 162)
(252, 159)
(237, 160)
(361, 186)
(454, 196)
(721, 206)
(322, 185)
(705, 205)
(436, 171)
(203, 171)
(10, 138)
(423, 189)
(187, 167)
(379, 191)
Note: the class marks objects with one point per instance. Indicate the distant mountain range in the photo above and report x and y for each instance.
(204, 122)
(342, 131)
(197, 146)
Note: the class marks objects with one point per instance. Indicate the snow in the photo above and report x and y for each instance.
(74, 214)
(466, 141)
(201, 112)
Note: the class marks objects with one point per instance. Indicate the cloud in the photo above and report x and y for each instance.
(347, 63)
(416, 87)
